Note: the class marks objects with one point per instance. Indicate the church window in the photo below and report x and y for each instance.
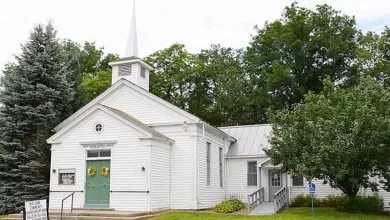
(143, 72)
(99, 153)
(252, 173)
(98, 128)
(208, 161)
(220, 167)
(297, 181)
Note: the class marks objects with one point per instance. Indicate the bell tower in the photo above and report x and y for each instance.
(131, 67)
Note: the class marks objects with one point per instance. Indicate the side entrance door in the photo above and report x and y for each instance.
(97, 185)
(275, 183)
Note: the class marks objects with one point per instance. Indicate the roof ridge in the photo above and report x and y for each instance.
(243, 126)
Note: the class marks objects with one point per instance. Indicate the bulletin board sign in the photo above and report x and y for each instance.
(36, 210)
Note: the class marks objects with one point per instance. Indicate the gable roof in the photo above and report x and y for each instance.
(251, 139)
(152, 133)
(138, 123)
(118, 84)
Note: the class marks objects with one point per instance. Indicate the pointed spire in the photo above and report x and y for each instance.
(132, 43)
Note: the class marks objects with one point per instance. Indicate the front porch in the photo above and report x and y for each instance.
(272, 194)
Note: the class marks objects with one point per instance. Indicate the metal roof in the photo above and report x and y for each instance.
(251, 139)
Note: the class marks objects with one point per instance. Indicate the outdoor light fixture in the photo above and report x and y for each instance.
(185, 125)
(143, 169)
(54, 171)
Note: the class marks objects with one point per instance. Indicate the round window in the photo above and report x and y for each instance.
(98, 127)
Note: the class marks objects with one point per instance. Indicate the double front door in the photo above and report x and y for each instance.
(275, 183)
(97, 185)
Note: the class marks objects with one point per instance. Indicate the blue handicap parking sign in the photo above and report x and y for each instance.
(312, 188)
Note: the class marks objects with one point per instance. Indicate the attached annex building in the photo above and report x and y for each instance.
(130, 150)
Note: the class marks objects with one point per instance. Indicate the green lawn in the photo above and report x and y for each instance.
(289, 214)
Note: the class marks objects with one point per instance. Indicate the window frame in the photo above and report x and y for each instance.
(208, 163)
(220, 167)
(99, 152)
(251, 173)
(143, 72)
(292, 181)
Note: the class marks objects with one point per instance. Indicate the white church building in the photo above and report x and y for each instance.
(130, 150)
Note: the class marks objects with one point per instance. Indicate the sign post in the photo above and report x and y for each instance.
(312, 191)
(36, 210)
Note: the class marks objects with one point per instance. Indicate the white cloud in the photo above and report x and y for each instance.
(196, 23)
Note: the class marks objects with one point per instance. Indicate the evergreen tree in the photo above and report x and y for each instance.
(35, 98)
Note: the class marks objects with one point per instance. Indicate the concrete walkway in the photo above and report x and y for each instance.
(266, 208)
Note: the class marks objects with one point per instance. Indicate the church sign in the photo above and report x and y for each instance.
(36, 210)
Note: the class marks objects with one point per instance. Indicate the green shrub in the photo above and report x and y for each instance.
(357, 204)
(229, 206)
(331, 201)
(304, 201)
(361, 204)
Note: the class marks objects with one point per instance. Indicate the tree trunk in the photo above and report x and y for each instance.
(349, 189)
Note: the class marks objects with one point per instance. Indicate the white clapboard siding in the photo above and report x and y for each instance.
(237, 185)
(160, 177)
(129, 201)
(130, 155)
(182, 165)
(210, 195)
(134, 77)
(182, 178)
(141, 107)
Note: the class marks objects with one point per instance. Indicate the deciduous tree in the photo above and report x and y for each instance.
(341, 135)
(293, 55)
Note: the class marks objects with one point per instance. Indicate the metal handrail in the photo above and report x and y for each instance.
(71, 205)
(255, 199)
(281, 199)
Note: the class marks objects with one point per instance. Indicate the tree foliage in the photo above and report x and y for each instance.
(293, 55)
(35, 97)
(170, 77)
(88, 69)
(374, 55)
(208, 84)
(341, 135)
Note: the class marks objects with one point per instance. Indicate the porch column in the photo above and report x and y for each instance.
(259, 177)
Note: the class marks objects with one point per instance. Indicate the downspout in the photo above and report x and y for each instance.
(225, 179)
(197, 172)
(197, 162)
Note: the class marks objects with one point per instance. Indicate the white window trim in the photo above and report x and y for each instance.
(220, 166)
(303, 182)
(247, 172)
(208, 163)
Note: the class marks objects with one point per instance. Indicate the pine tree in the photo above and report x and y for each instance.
(35, 98)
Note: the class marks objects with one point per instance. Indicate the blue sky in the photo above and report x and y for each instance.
(195, 23)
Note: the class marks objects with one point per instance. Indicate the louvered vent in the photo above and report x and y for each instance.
(124, 70)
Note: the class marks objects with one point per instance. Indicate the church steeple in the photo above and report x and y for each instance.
(131, 67)
(132, 43)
